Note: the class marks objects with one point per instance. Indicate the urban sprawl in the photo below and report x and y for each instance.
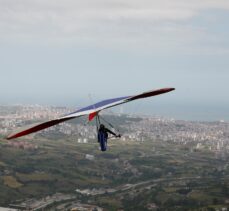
(213, 136)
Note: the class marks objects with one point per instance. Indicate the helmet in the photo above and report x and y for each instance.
(102, 126)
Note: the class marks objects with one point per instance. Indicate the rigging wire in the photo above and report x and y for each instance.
(109, 124)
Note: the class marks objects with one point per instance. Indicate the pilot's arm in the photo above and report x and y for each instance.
(111, 132)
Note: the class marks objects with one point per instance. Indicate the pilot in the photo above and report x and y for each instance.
(103, 136)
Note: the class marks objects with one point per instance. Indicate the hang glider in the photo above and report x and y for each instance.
(92, 111)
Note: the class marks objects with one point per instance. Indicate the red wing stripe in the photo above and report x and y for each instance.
(151, 93)
(38, 127)
(92, 116)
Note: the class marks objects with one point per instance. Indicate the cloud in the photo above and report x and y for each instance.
(109, 23)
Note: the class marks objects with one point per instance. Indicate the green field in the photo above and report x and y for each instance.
(165, 174)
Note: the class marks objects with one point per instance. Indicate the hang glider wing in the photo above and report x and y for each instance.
(91, 110)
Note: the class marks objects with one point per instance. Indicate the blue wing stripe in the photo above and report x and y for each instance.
(99, 104)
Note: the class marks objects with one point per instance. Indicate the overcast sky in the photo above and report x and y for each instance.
(58, 52)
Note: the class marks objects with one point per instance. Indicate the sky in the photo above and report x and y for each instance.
(59, 52)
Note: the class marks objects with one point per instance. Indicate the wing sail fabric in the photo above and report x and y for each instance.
(91, 110)
(38, 127)
(151, 93)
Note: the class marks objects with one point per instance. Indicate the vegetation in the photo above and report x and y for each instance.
(163, 174)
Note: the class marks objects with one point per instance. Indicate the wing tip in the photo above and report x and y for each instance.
(9, 137)
(171, 89)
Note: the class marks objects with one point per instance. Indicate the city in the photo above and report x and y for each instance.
(206, 135)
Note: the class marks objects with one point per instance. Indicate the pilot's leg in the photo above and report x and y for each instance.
(103, 142)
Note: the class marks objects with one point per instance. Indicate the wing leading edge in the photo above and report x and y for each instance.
(91, 110)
